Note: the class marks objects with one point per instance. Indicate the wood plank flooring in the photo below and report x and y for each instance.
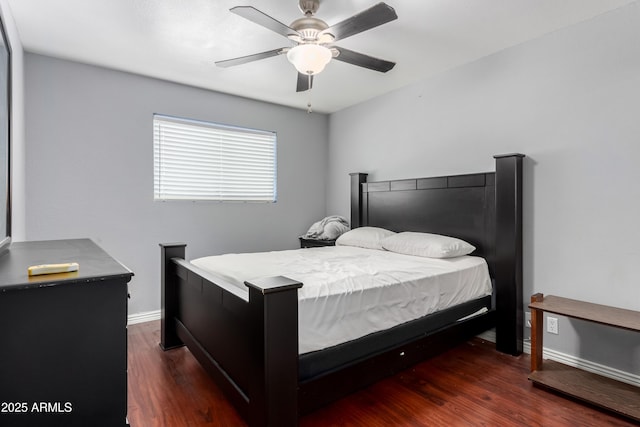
(471, 385)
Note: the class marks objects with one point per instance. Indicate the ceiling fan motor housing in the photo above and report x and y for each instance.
(309, 28)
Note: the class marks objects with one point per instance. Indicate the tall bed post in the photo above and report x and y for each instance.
(508, 274)
(273, 305)
(357, 179)
(169, 297)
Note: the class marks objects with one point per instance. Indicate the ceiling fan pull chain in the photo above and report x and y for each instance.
(309, 111)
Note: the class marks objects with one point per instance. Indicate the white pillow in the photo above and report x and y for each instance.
(427, 245)
(364, 237)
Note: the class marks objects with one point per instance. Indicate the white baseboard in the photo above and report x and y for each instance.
(147, 316)
(576, 362)
(586, 365)
(489, 335)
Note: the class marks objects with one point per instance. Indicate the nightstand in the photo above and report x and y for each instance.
(313, 243)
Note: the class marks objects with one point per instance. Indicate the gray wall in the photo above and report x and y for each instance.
(570, 101)
(89, 161)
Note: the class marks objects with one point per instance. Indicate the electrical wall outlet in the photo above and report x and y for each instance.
(552, 325)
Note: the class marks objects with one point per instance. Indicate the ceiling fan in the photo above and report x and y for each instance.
(313, 39)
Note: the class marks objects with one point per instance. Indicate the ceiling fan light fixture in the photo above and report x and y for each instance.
(309, 58)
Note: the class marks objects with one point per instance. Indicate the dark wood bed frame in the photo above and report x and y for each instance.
(250, 348)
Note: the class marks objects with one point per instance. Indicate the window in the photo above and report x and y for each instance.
(196, 160)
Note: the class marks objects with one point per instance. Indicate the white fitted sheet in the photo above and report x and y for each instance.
(351, 292)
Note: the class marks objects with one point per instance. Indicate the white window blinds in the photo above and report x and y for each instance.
(195, 160)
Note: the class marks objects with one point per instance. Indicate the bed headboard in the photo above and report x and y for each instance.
(484, 209)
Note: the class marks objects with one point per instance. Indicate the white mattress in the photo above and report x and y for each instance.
(351, 292)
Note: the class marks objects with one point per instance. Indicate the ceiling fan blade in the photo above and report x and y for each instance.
(365, 20)
(362, 60)
(303, 82)
(261, 18)
(249, 58)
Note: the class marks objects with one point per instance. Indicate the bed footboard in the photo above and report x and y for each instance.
(168, 298)
(247, 343)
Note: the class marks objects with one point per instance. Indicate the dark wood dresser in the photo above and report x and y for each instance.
(63, 339)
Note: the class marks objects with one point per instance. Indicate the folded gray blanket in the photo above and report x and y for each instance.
(328, 228)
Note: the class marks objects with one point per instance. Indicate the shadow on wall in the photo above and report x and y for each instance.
(528, 245)
(597, 343)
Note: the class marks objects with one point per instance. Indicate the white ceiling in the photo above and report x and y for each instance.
(179, 40)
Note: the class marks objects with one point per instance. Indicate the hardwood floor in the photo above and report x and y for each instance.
(471, 385)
